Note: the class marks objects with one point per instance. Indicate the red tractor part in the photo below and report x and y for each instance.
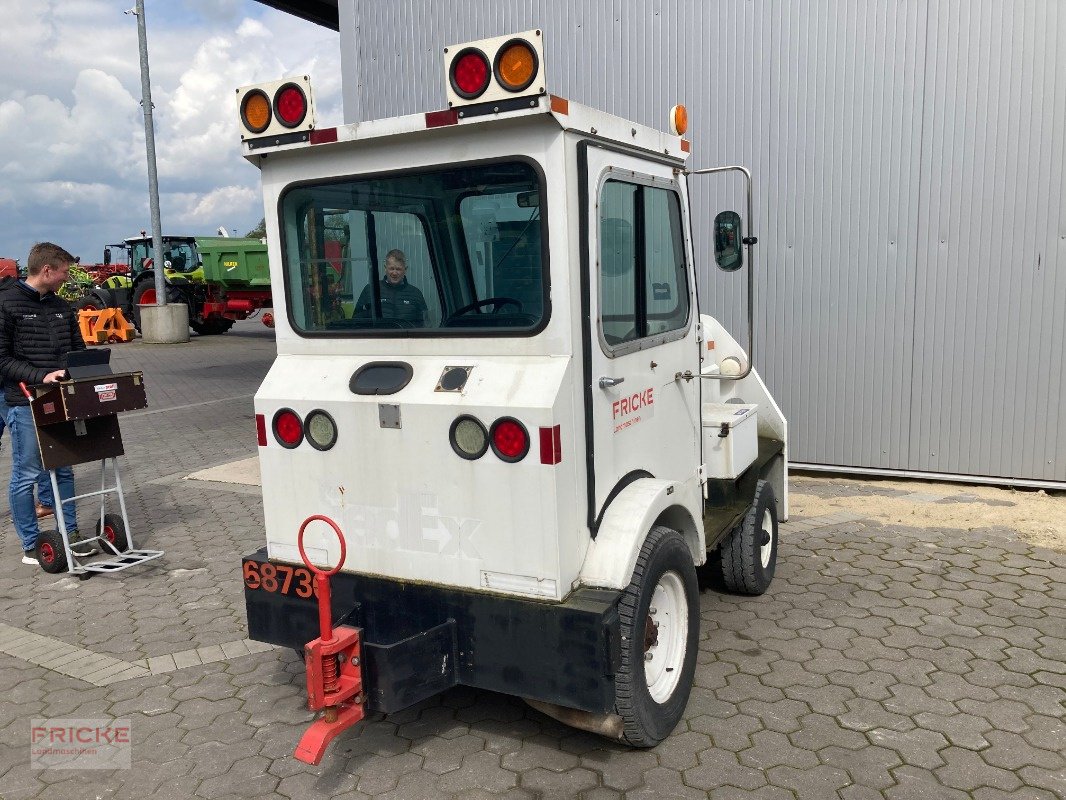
(334, 666)
(268, 320)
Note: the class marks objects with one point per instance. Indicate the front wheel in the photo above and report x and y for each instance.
(50, 553)
(660, 622)
(144, 294)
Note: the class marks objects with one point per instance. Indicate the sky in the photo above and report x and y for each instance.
(73, 165)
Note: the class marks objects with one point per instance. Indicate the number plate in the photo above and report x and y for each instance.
(266, 576)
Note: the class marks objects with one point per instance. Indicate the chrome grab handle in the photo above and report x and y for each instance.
(608, 382)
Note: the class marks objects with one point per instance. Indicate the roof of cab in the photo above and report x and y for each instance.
(569, 115)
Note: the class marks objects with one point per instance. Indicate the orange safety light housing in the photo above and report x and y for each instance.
(678, 120)
(276, 108)
(513, 71)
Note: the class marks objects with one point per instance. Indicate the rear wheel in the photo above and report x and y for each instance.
(50, 553)
(212, 327)
(659, 615)
(113, 529)
(749, 554)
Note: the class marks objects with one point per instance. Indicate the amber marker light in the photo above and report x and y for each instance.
(679, 120)
(255, 111)
(516, 65)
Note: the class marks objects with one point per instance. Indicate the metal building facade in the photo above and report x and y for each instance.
(909, 166)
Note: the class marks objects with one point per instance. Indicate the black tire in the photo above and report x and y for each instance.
(113, 530)
(90, 302)
(212, 327)
(647, 720)
(744, 568)
(50, 553)
(145, 286)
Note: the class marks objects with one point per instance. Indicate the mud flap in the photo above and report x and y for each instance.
(406, 672)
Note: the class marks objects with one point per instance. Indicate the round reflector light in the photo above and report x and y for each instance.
(468, 437)
(516, 65)
(255, 111)
(510, 441)
(288, 429)
(470, 73)
(321, 430)
(290, 105)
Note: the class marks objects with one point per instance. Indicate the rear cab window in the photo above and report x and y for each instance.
(456, 251)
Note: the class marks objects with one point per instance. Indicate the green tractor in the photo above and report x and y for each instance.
(133, 286)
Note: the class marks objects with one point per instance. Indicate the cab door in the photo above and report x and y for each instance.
(641, 330)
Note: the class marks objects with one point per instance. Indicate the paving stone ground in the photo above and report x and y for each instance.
(885, 662)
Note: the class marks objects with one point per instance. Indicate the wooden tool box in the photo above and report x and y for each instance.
(76, 419)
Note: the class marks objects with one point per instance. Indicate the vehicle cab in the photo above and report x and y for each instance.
(493, 377)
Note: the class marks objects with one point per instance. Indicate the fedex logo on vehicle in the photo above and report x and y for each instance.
(635, 402)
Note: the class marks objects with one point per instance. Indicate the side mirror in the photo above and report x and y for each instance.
(107, 256)
(728, 252)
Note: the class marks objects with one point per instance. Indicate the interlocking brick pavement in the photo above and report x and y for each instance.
(885, 662)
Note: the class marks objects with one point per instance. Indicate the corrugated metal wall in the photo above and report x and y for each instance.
(909, 164)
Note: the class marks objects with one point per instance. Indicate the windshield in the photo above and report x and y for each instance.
(179, 256)
(441, 252)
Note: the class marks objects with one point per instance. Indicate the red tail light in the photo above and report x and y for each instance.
(288, 428)
(510, 441)
(261, 429)
(290, 105)
(470, 73)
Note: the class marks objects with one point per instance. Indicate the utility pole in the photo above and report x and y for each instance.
(158, 327)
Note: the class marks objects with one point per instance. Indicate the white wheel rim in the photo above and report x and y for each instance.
(668, 611)
(767, 529)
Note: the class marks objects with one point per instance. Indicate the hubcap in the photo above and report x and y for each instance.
(767, 534)
(664, 651)
(109, 533)
(47, 553)
(148, 298)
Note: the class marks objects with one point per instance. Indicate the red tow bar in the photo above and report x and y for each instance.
(334, 667)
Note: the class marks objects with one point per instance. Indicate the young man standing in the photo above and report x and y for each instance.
(37, 330)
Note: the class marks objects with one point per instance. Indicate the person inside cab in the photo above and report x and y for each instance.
(397, 299)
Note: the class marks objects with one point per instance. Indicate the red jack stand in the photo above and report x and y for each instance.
(334, 666)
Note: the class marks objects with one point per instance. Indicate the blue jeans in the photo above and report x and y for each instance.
(26, 470)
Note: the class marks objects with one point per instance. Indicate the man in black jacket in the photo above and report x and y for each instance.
(37, 330)
(399, 300)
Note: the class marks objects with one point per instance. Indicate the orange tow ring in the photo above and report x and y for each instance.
(334, 666)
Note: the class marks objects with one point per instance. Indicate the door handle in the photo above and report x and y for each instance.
(608, 382)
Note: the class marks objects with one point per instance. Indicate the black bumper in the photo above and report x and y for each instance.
(419, 640)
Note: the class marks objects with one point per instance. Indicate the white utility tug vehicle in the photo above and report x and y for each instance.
(494, 383)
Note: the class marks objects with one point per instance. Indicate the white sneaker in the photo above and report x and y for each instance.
(29, 560)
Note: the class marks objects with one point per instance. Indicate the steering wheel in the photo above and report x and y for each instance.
(498, 302)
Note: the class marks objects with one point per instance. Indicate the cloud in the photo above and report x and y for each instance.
(72, 154)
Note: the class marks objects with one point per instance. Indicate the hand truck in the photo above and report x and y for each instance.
(77, 423)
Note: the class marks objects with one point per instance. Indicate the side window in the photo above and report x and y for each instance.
(642, 277)
(618, 262)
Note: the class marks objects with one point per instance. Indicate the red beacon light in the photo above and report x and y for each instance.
(470, 74)
(290, 105)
